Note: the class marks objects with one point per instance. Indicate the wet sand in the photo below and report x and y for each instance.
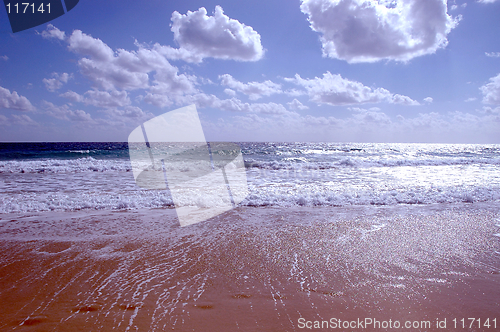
(250, 269)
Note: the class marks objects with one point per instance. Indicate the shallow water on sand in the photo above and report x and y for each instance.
(250, 269)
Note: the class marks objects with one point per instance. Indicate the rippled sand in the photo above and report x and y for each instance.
(252, 269)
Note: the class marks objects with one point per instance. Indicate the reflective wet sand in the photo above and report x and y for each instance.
(250, 269)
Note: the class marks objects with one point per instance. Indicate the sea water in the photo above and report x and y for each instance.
(37, 177)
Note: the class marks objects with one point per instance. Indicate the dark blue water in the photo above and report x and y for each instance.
(63, 150)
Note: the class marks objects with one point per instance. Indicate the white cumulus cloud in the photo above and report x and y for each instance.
(14, 101)
(72, 95)
(65, 113)
(254, 90)
(107, 99)
(373, 30)
(127, 70)
(491, 91)
(53, 32)
(55, 83)
(295, 105)
(200, 36)
(335, 90)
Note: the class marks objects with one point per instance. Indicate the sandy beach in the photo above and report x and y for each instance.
(250, 269)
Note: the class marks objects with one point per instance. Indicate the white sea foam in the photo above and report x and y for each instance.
(87, 164)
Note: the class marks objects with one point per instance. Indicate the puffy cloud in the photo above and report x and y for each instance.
(372, 116)
(403, 100)
(254, 90)
(203, 100)
(200, 36)
(14, 101)
(237, 105)
(372, 30)
(55, 83)
(295, 105)
(53, 32)
(106, 99)
(159, 100)
(65, 113)
(129, 112)
(428, 100)
(491, 91)
(335, 90)
(73, 96)
(128, 70)
(103, 67)
(168, 81)
(84, 44)
(230, 92)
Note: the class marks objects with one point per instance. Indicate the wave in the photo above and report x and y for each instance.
(302, 163)
(139, 199)
(87, 164)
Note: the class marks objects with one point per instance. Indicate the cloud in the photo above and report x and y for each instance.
(487, 1)
(254, 90)
(168, 81)
(159, 100)
(491, 91)
(53, 32)
(14, 101)
(4, 57)
(108, 71)
(295, 105)
(127, 70)
(230, 92)
(98, 98)
(364, 125)
(131, 112)
(202, 100)
(106, 99)
(372, 116)
(55, 83)
(335, 90)
(73, 96)
(23, 120)
(470, 99)
(200, 36)
(370, 30)
(493, 54)
(428, 100)
(455, 7)
(65, 113)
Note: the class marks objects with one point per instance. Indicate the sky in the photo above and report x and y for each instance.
(425, 71)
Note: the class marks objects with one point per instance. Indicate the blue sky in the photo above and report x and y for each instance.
(280, 70)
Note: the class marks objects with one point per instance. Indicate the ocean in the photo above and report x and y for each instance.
(97, 176)
(331, 236)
